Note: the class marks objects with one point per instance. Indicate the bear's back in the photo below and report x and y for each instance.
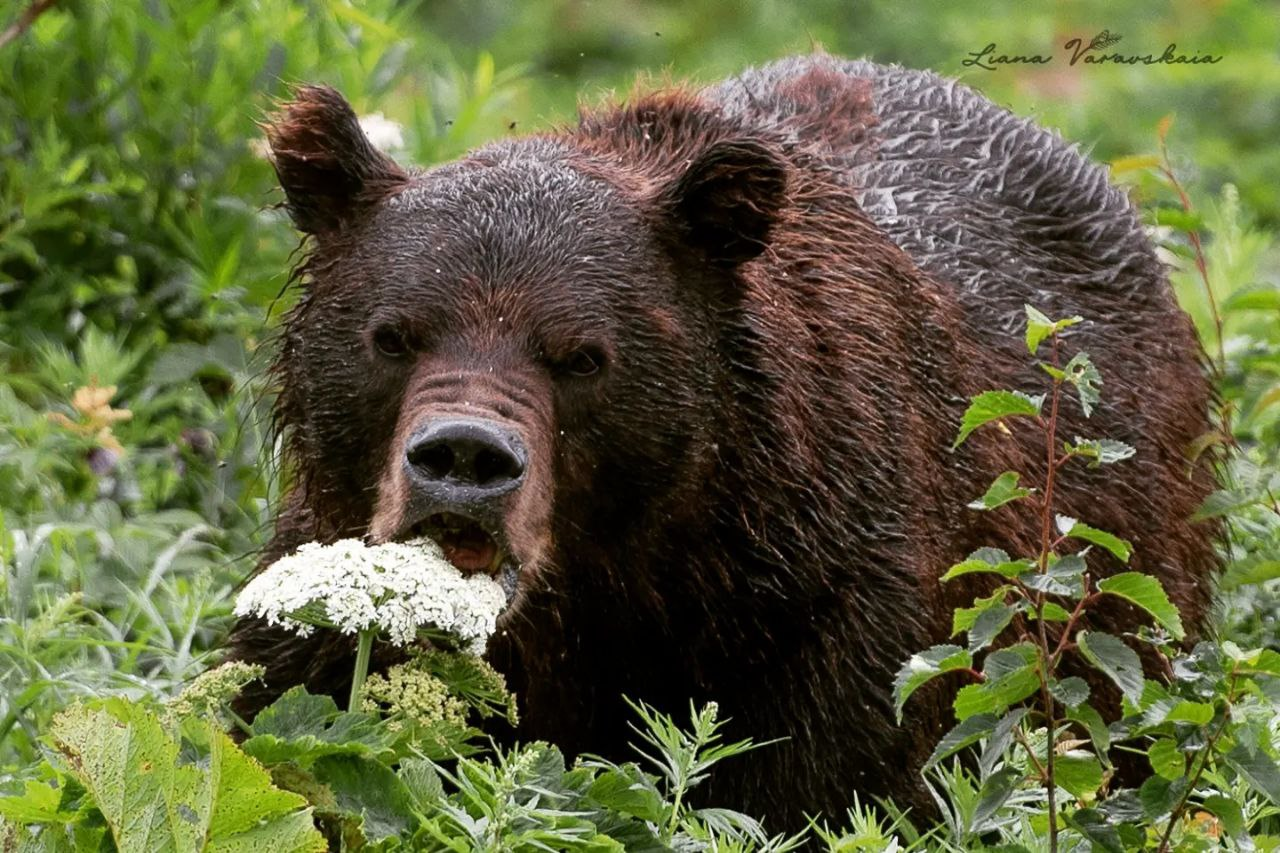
(1000, 214)
(1000, 208)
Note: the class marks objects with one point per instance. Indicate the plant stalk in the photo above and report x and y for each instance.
(364, 651)
(1047, 660)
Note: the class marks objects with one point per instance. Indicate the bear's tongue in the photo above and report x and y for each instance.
(470, 550)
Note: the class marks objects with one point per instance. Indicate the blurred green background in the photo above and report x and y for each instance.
(143, 266)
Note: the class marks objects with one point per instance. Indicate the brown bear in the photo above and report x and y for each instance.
(685, 376)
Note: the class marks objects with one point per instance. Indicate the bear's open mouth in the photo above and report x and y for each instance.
(469, 546)
(465, 543)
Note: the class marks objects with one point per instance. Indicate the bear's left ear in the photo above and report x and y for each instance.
(728, 200)
(328, 168)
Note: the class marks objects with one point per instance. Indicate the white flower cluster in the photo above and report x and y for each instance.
(396, 588)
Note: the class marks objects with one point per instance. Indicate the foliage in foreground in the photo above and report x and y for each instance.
(1203, 725)
(310, 777)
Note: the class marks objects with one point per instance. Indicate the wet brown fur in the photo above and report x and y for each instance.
(780, 551)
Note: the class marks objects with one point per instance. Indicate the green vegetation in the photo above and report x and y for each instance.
(143, 267)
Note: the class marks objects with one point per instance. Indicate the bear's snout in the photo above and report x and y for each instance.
(464, 464)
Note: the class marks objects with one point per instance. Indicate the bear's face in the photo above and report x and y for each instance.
(514, 354)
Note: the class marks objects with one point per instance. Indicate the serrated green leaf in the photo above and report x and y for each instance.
(1155, 704)
(39, 802)
(1095, 827)
(1070, 691)
(1079, 530)
(423, 784)
(1063, 576)
(1003, 490)
(1116, 660)
(1166, 759)
(1079, 774)
(1040, 327)
(962, 618)
(1088, 716)
(1145, 592)
(152, 799)
(1081, 373)
(370, 793)
(921, 668)
(1227, 811)
(991, 406)
(1100, 451)
(1012, 675)
(1160, 795)
(1258, 768)
(988, 561)
(627, 790)
(301, 727)
(966, 733)
(988, 625)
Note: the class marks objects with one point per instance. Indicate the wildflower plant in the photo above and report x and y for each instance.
(1038, 747)
(400, 590)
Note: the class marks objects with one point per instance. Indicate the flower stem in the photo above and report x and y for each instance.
(363, 650)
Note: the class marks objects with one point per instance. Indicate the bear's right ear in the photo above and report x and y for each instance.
(729, 199)
(328, 168)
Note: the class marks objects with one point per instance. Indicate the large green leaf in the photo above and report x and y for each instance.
(1258, 768)
(963, 618)
(922, 667)
(988, 624)
(628, 790)
(1063, 576)
(152, 799)
(302, 728)
(1146, 592)
(1012, 674)
(1166, 759)
(1093, 825)
(1070, 691)
(1088, 717)
(1116, 660)
(1080, 372)
(1228, 811)
(1040, 327)
(966, 733)
(1001, 491)
(1078, 773)
(993, 406)
(369, 793)
(1073, 529)
(991, 561)
(1100, 451)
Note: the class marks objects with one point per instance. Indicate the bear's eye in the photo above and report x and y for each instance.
(390, 340)
(584, 361)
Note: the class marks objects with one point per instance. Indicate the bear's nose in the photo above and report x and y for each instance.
(465, 460)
